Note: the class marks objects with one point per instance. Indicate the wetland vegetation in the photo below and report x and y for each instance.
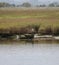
(41, 21)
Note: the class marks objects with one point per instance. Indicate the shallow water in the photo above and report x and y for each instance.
(29, 54)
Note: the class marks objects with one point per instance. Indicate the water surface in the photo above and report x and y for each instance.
(29, 54)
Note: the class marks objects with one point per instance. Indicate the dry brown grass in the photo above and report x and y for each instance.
(23, 17)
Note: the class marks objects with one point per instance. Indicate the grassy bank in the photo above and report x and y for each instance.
(14, 17)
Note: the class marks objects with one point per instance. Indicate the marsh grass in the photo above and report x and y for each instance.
(22, 17)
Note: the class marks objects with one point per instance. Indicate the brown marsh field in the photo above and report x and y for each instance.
(20, 17)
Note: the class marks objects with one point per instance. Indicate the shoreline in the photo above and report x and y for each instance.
(30, 41)
(35, 37)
